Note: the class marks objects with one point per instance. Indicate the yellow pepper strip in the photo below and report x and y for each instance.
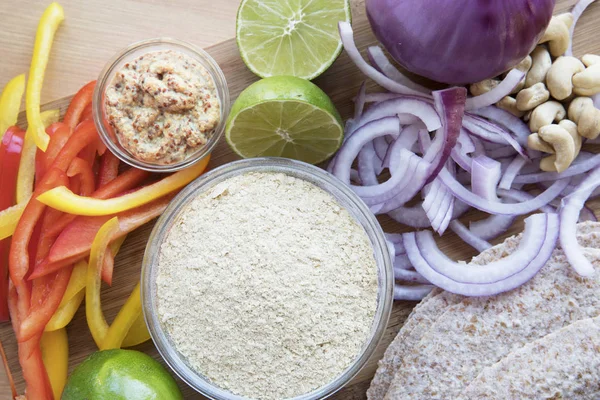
(93, 307)
(10, 102)
(76, 282)
(138, 333)
(55, 354)
(124, 320)
(64, 200)
(9, 218)
(51, 19)
(65, 312)
(27, 163)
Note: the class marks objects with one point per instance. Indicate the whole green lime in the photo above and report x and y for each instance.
(284, 116)
(121, 375)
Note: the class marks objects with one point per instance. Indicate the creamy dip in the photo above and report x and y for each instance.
(163, 106)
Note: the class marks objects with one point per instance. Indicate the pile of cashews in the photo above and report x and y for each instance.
(554, 87)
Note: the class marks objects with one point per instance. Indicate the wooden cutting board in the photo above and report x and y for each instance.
(341, 83)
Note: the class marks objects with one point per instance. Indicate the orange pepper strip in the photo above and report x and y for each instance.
(78, 104)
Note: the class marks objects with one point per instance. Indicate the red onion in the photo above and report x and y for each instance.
(412, 293)
(462, 41)
(381, 62)
(468, 236)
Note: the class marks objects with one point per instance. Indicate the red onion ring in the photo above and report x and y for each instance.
(381, 62)
(503, 89)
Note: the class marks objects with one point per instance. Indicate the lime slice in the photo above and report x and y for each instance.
(284, 116)
(290, 37)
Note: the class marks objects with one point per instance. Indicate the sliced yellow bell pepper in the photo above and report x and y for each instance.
(63, 199)
(51, 19)
(26, 174)
(138, 333)
(124, 320)
(55, 354)
(65, 312)
(76, 282)
(10, 102)
(93, 307)
(9, 218)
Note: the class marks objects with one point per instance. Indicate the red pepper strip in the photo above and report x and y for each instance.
(89, 153)
(18, 259)
(109, 168)
(84, 134)
(81, 168)
(75, 241)
(49, 291)
(87, 113)
(126, 181)
(59, 135)
(80, 101)
(109, 259)
(10, 155)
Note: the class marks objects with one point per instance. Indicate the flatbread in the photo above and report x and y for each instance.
(478, 332)
(417, 323)
(562, 365)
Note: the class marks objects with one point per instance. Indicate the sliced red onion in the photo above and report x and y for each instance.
(381, 147)
(482, 204)
(346, 35)
(502, 152)
(394, 237)
(522, 196)
(497, 277)
(409, 276)
(381, 62)
(450, 105)
(569, 214)
(503, 118)
(410, 164)
(415, 216)
(491, 227)
(469, 237)
(412, 184)
(367, 162)
(349, 151)
(577, 10)
(485, 175)
(492, 133)
(503, 89)
(401, 261)
(381, 96)
(359, 101)
(412, 293)
(511, 172)
(463, 160)
(408, 137)
(466, 143)
(408, 110)
(581, 165)
(587, 214)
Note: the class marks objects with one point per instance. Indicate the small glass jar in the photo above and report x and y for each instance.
(318, 177)
(133, 52)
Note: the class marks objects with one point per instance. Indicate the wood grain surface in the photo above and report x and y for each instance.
(341, 83)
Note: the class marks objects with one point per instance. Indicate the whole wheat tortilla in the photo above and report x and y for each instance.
(478, 332)
(562, 365)
(417, 323)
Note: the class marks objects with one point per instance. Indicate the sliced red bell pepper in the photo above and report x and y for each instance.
(87, 113)
(75, 241)
(109, 259)
(81, 168)
(18, 261)
(10, 155)
(59, 135)
(78, 105)
(124, 182)
(109, 169)
(84, 134)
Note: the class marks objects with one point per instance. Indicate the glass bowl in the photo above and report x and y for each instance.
(345, 197)
(131, 53)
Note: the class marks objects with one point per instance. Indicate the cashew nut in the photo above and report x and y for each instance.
(510, 104)
(571, 127)
(545, 114)
(534, 142)
(523, 66)
(557, 36)
(528, 99)
(540, 64)
(548, 164)
(567, 18)
(586, 116)
(587, 82)
(560, 75)
(479, 88)
(590, 59)
(563, 144)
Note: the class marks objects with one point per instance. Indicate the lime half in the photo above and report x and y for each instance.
(284, 116)
(290, 37)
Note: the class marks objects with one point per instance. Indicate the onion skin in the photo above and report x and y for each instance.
(459, 41)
